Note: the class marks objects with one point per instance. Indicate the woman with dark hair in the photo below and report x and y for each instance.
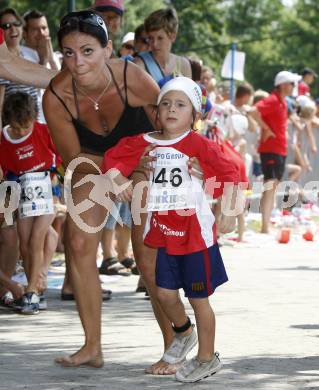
(89, 107)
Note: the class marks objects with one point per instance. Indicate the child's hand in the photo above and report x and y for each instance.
(146, 160)
(267, 133)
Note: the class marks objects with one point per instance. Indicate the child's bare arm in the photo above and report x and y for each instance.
(233, 204)
(311, 138)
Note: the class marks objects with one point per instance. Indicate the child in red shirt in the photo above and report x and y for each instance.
(188, 255)
(27, 155)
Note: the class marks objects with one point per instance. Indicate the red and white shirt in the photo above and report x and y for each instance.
(34, 152)
(173, 229)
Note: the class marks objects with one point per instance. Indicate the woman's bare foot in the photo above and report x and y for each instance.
(163, 368)
(84, 357)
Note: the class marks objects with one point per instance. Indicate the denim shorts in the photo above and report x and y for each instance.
(121, 214)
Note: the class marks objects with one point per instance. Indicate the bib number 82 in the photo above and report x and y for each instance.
(175, 177)
(30, 193)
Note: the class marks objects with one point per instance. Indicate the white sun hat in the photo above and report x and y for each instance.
(128, 37)
(186, 85)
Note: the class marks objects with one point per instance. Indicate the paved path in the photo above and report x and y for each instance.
(268, 331)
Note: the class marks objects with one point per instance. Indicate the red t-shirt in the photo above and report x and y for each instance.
(303, 88)
(32, 153)
(1, 36)
(274, 113)
(179, 234)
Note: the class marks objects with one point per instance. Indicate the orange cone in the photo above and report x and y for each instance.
(284, 236)
(308, 235)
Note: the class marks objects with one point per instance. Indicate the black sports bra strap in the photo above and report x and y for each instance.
(125, 80)
(116, 85)
(75, 99)
(58, 97)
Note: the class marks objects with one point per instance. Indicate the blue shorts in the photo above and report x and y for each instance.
(198, 273)
(122, 214)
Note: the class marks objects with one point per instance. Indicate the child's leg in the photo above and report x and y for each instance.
(50, 245)
(205, 321)
(24, 226)
(241, 226)
(173, 307)
(40, 229)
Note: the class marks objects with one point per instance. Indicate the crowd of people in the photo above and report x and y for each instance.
(144, 116)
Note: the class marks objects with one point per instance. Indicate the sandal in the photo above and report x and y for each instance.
(140, 289)
(106, 295)
(129, 263)
(111, 266)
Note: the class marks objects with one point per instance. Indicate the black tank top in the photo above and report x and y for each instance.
(132, 121)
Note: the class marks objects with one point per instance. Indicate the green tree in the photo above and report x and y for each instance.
(200, 29)
(256, 25)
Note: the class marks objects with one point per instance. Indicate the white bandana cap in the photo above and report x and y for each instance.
(186, 85)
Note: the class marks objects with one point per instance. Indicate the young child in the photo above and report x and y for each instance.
(180, 223)
(27, 154)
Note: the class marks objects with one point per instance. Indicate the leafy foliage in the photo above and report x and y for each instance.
(274, 36)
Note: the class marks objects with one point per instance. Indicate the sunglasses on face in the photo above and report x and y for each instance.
(128, 46)
(6, 26)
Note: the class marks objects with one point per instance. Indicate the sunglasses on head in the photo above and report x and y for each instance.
(6, 26)
(85, 17)
(128, 46)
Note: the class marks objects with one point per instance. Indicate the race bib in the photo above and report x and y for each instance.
(171, 184)
(36, 195)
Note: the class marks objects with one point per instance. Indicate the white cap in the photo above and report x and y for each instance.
(186, 85)
(128, 37)
(286, 77)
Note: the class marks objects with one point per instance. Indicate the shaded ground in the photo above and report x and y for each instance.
(268, 330)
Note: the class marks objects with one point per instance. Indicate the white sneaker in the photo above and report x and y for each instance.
(193, 370)
(180, 347)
